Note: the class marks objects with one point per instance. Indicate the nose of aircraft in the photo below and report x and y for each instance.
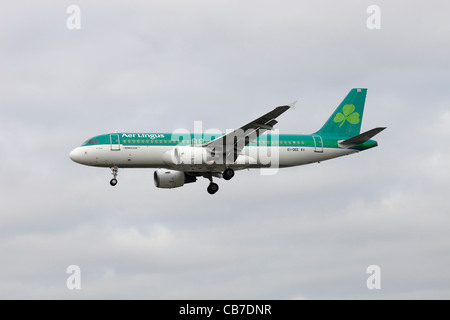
(76, 155)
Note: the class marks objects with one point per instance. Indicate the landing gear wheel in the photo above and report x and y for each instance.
(228, 174)
(213, 188)
(115, 172)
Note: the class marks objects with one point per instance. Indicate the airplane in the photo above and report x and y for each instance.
(180, 158)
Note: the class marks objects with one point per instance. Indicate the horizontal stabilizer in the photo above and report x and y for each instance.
(360, 138)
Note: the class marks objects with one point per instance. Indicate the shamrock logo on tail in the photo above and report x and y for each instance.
(347, 115)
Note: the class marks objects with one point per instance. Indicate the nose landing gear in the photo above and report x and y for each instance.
(115, 172)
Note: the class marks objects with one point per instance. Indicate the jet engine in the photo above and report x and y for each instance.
(169, 179)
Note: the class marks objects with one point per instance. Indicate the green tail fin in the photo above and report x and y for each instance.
(346, 119)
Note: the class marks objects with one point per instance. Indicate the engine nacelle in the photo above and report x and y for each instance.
(192, 155)
(169, 179)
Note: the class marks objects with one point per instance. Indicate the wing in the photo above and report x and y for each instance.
(231, 145)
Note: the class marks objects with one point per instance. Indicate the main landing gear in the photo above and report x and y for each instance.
(227, 174)
(115, 172)
(213, 188)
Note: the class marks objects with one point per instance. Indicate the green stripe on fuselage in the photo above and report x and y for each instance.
(167, 139)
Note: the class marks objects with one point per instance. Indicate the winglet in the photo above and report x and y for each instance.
(292, 105)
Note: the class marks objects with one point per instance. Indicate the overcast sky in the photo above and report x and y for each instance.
(308, 232)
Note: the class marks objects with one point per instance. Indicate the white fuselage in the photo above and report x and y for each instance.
(160, 157)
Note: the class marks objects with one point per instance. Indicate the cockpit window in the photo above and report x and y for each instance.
(91, 141)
